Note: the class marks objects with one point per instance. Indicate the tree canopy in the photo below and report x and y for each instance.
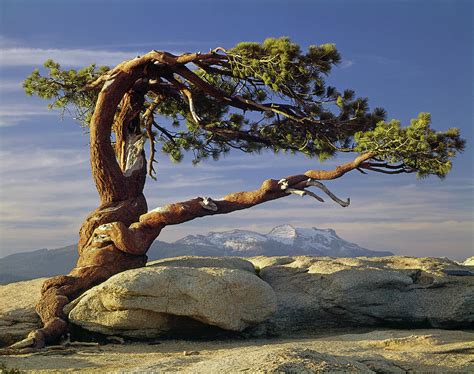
(255, 96)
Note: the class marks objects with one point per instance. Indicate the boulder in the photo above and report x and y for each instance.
(318, 292)
(17, 310)
(169, 295)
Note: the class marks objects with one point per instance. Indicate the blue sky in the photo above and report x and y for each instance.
(407, 56)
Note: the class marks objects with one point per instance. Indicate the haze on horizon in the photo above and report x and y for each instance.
(426, 65)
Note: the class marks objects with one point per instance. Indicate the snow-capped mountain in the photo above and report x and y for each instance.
(235, 240)
(284, 240)
(281, 240)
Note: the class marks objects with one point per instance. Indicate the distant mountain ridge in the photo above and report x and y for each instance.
(283, 240)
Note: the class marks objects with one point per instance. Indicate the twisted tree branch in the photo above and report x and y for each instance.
(137, 238)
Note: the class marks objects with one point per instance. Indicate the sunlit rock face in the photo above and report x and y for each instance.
(167, 295)
(17, 310)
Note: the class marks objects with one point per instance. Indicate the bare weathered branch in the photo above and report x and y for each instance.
(304, 193)
(188, 94)
(312, 182)
(141, 234)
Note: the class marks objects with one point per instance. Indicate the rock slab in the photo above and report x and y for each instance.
(320, 292)
(308, 294)
(17, 310)
(170, 294)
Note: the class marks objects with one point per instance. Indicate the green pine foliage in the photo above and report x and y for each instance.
(292, 110)
(66, 88)
(416, 146)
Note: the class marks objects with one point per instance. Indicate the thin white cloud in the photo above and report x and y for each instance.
(272, 166)
(347, 64)
(20, 56)
(453, 239)
(8, 42)
(9, 110)
(165, 45)
(14, 53)
(183, 181)
(8, 85)
(13, 114)
(38, 160)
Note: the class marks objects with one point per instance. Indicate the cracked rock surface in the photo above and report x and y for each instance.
(319, 292)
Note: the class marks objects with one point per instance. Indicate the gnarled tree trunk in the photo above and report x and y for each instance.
(116, 236)
(119, 175)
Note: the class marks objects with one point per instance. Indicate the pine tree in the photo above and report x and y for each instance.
(252, 97)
